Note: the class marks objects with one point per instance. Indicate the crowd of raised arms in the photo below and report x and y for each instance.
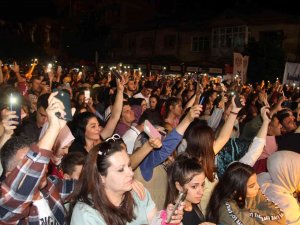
(115, 146)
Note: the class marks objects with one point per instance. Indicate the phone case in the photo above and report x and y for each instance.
(65, 98)
(15, 105)
(150, 130)
(87, 95)
(237, 102)
(116, 75)
(201, 100)
(181, 198)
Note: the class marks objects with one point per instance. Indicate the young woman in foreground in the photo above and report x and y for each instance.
(186, 174)
(237, 199)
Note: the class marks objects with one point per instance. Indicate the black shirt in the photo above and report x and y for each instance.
(77, 146)
(192, 217)
(289, 142)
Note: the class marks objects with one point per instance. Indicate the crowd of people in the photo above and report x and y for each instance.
(78, 147)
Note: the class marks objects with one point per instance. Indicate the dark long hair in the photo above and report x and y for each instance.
(90, 189)
(182, 170)
(232, 186)
(200, 142)
(79, 125)
(171, 101)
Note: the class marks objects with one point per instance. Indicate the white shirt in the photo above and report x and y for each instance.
(129, 138)
(45, 214)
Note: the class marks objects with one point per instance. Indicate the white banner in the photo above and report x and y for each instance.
(240, 65)
(291, 73)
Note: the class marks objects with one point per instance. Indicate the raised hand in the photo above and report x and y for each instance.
(15, 68)
(120, 84)
(265, 113)
(155, 142)
(235, 108)
(55, 112)
(9, 122)
(178, 214)
(194, 112)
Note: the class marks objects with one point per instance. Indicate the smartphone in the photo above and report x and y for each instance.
(49, 67)
(218, 99)
(15, 105)
(116, 74)
(181, 197)
(151, 131)
(87, 95)
(287, 104)
(237, 100)
(201, 102)
(64, 96)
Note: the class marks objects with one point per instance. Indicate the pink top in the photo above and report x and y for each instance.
(271, 147)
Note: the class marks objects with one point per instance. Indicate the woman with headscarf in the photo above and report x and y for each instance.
(282, 183)
(60, 149)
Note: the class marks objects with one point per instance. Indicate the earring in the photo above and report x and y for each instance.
(240, 198)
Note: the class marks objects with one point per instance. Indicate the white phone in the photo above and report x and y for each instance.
(150, 130)
(87, 95)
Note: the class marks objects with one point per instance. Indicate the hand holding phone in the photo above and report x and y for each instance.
(180, 199)
(87, 95)
(9, 121)
(116, 74)
(201, 102)
(15, 105)
(151, 131)
(49, 67)
(237, 100)
(64, 96)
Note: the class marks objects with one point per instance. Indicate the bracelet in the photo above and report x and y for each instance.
(163, 216)
(235, 113)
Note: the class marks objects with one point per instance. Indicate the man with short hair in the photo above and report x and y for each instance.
(32, 127)
(275, 141)
(126, 120)
(71, 165)
(130, 88)
(287, 120)
(145, 92)
(289, 140)
(34, 93)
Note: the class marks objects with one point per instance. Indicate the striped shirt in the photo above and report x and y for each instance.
(20, 189)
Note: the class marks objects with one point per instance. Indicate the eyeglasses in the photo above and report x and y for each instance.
(105, 147)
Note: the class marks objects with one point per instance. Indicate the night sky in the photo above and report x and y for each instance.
(32, 10)
(27, 10)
